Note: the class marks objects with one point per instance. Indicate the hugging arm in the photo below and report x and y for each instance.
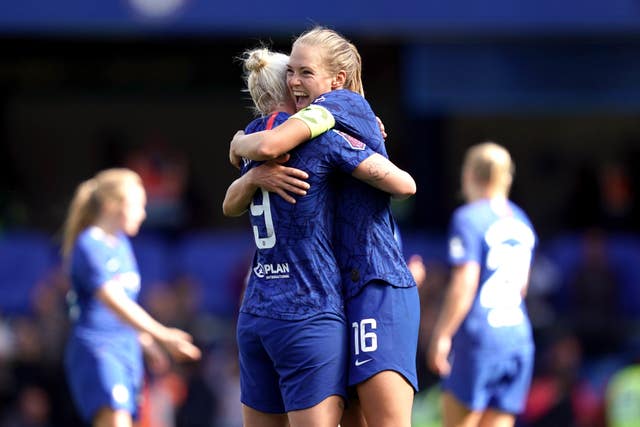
(268, 144)
(273, 176)
(381, 173)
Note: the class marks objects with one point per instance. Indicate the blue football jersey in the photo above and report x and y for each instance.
(95, 260)
(503, 246)
(364, 226)
(294, 272)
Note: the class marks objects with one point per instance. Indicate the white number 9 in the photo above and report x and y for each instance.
(264, 210)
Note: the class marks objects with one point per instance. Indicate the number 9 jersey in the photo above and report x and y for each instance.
(294, 273)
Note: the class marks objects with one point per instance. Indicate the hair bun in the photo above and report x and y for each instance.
(255, 60)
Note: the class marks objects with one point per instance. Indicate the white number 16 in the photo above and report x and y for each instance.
(364, 337)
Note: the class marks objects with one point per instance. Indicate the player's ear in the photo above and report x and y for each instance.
(338, 80)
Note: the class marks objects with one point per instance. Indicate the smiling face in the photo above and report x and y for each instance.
(307, 76)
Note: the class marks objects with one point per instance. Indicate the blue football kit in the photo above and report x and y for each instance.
(291, 328)
(103, 358)
(493, 350)
(368, 255)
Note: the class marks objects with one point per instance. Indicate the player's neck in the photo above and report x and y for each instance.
(109, 228)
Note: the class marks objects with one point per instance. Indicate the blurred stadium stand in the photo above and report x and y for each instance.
(26, 258)
(404, 18)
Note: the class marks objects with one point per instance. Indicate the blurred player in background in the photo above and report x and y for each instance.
(294, 295)
(103, 359)
(482, 343)
(382, 303)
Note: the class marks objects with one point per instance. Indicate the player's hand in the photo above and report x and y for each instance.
(274, 177)
(381, 125)
(234, 159)
(155, 357)
(438, 355)
(179, 345)
(418, 269)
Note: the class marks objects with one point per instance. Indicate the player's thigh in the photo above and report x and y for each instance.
(254, 418)
(495, 418)
(325, 414)
(108, 417)
(456, 414)
(386, 400)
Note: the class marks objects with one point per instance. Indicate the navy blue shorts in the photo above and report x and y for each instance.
(482, 380)
(98, 378)
(289, 365)
(384, 323)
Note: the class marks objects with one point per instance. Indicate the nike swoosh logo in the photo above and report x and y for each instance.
(362, 362)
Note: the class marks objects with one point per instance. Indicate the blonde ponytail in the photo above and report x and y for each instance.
(88, 200)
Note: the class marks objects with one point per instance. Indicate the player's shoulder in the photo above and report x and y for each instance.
(90, 245)
(518, 211)
(265, 122)
(91, 237)
(343, 97)
(468, 210)
(522, 216)
(471, 216)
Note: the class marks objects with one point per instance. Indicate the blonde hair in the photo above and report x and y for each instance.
(265, 75)
(89, 198)
(490, 165)
(338, 54)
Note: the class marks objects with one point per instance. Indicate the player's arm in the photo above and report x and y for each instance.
(383, 174)
(238, 197)
(457, 303)
(177, 342)
(269, 144)
(273, 176)
(154, 356)
(525, 287)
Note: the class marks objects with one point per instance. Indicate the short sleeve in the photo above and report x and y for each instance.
(463, 243)
(346, 151)
(94, 266)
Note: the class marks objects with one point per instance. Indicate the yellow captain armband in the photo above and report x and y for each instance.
(318, 118)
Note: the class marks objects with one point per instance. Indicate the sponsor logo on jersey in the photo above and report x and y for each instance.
(130, 281)
(354, 143)
(362, 362)
(120, 393)
(272, 271)
(456, 248)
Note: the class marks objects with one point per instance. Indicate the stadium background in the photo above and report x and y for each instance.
(155, 85)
